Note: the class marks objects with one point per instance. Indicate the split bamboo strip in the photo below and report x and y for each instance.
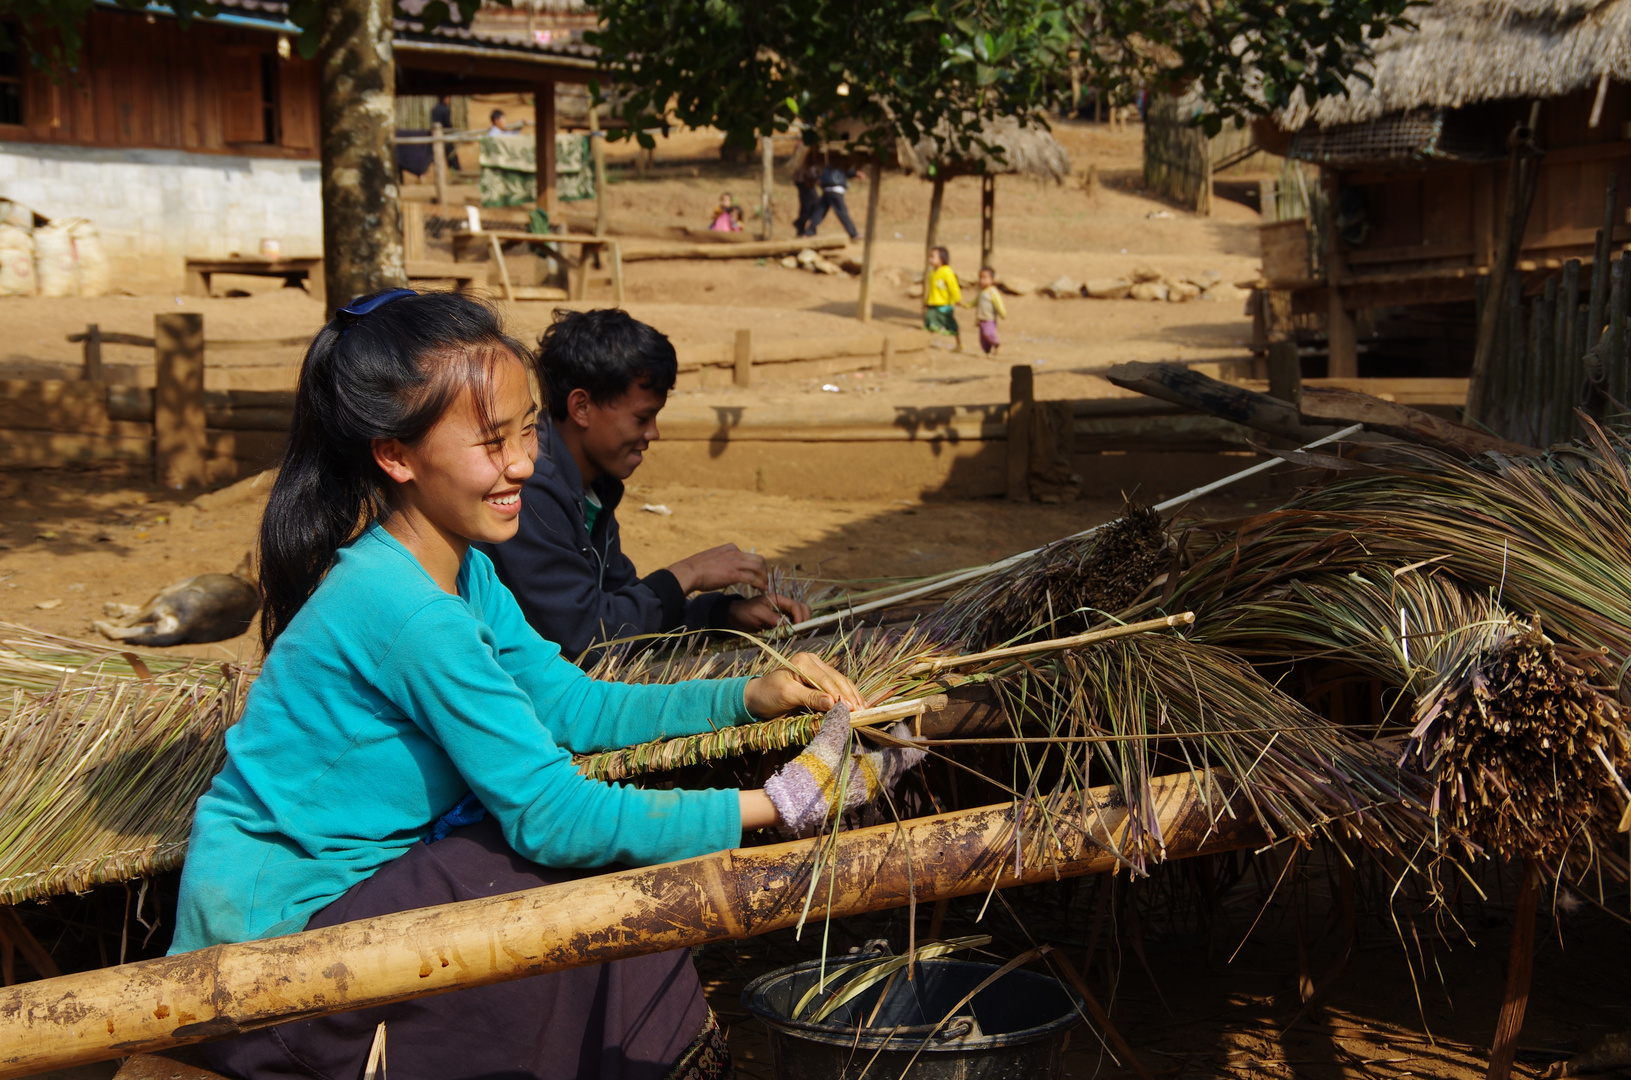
(227, 989)
(942, 663)
(943, 583)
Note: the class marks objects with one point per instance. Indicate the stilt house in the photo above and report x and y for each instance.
(1411, 192)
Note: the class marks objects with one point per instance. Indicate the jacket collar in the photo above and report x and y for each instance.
(557, 471)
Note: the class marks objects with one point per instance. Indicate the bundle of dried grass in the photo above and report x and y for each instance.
(1065, 588)
(1526, 754)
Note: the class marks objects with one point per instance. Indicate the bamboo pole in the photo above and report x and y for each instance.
(863, 308)
(1599, 265)
(936, 200)
(1166, 622)
(729, 895)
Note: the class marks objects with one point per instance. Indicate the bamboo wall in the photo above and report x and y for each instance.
(1177, 156)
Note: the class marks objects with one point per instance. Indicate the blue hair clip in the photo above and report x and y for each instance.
(360, 307)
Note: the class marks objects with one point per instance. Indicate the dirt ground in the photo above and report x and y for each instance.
(73, 540)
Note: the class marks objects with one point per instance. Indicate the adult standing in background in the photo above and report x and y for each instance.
(442, 113)
(834, 184)
(808, 182)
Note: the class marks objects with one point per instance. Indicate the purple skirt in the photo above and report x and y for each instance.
(627, 1020)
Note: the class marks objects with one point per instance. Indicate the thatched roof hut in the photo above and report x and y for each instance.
(1415, 167)
(1028, 148)
(1469, 51)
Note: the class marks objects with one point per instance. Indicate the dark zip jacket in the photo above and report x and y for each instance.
(578, 589)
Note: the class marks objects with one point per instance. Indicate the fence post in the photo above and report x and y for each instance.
(93, 353)
(1021, 399)
(438, 157)
(179, 441)
(888, 360)
(744, 358)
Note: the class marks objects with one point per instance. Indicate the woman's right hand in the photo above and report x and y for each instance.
(805, 791)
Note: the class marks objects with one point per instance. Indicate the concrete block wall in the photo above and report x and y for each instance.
(156, 208)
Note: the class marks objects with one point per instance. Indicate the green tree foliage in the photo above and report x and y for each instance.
(1245, 56)
(63, 21)
(854, 70)
(752, 67)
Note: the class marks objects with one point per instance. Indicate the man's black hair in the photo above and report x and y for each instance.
(604, 352)
(495, 116)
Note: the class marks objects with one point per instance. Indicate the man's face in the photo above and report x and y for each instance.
(618, 433)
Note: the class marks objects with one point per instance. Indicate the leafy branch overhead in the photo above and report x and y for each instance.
(857, 70)
(1244, 57)
(847, 70)
(63, 21)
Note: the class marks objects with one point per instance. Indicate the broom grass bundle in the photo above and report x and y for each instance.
(1525, 754)
(1064, 588)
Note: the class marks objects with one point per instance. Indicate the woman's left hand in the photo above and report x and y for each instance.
(811, 685)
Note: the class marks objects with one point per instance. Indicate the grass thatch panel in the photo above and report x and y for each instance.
(1001, 145)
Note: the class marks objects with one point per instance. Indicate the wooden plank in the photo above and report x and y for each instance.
(54, 405)
(751, 249)
(1180, 385)
(1285, 249)
(180, 449)
(1406, 391)
(1334, 406)
(544, 132)
(48, 448)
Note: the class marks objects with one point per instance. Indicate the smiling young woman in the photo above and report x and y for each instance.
(409, 739)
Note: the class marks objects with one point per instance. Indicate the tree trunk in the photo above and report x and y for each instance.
(988, 217)
(936, 201)
(767, 179)
(726, 896)
(362, 217)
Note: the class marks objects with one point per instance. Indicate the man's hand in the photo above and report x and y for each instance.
(719, 568)
(811, 685)
(764, 612)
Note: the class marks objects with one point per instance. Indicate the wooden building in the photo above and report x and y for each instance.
(201, 141)
(1413, 167)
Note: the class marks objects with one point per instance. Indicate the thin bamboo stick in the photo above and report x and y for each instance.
(227, 989)
(1013, 560)
(941, 663)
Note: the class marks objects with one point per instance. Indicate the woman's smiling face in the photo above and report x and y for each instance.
(464, 479)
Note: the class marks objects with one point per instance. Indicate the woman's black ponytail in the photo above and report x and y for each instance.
(389, 374)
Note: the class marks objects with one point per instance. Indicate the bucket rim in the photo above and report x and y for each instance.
(834, 1034)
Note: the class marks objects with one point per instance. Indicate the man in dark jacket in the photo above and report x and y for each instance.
(605, 377)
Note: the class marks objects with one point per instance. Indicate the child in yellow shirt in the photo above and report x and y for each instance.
(941, 296)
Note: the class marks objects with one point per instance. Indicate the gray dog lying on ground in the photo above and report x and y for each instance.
(209, 607)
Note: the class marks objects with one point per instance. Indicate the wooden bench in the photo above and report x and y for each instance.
(578, 281)
(293, 272)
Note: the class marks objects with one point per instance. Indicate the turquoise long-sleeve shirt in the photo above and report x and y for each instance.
(387, 700)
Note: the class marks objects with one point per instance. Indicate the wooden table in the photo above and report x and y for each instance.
(578, 283)
(292, 271)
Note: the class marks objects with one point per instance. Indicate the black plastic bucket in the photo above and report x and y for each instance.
(1015, 1029)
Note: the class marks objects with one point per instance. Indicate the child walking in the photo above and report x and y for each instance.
(409, 740)
(988, 308)
(941, 295)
